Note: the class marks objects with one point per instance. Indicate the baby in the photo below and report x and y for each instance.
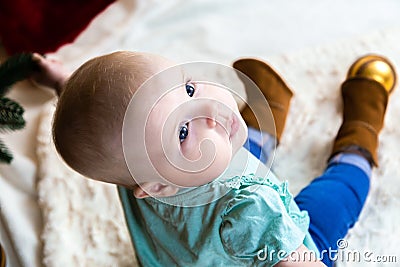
(192, 195)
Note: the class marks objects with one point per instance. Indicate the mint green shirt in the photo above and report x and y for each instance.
(245, 217)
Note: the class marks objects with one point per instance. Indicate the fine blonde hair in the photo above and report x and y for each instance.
(87, 125)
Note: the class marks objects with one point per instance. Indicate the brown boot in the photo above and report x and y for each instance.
(274, 90)
(2, 257)
(365, 94)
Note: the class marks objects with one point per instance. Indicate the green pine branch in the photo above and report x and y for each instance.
(16, 68)
(10, 115)
(5, 155)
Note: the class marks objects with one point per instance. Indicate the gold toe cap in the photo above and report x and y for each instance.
(374, 67)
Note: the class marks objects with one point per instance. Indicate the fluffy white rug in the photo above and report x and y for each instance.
(84, 224)
(83, 221)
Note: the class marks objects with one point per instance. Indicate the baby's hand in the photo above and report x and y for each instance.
(51, 73)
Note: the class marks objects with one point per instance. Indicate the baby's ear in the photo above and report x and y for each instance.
(154, 189)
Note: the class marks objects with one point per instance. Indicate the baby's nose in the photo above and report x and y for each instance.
(207, 108)
(211, 122)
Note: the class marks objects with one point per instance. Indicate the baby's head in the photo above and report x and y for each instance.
(119, 122)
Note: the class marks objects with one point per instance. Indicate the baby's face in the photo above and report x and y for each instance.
(191, 131)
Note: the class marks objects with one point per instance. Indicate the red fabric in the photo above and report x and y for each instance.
(44, 25)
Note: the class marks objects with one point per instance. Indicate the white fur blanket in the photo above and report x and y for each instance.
(83, 223)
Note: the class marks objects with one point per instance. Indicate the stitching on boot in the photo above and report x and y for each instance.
(276, 105)
(363, 124)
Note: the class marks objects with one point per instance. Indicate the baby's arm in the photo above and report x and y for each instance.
(51, 74)
(301, 257)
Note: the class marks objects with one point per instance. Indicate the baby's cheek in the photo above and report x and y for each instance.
(218, 154)
(198, 154)
(190, 149)
(202, 163)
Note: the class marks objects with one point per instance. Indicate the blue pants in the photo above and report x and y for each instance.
(333, 200)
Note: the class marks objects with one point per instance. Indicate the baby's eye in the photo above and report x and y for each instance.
(183, 132)
(190, 89)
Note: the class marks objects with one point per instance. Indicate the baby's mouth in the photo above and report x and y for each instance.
(229, 122)
(234, 126)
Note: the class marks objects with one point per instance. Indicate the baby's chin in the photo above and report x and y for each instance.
(185, 180)
(240, 137)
